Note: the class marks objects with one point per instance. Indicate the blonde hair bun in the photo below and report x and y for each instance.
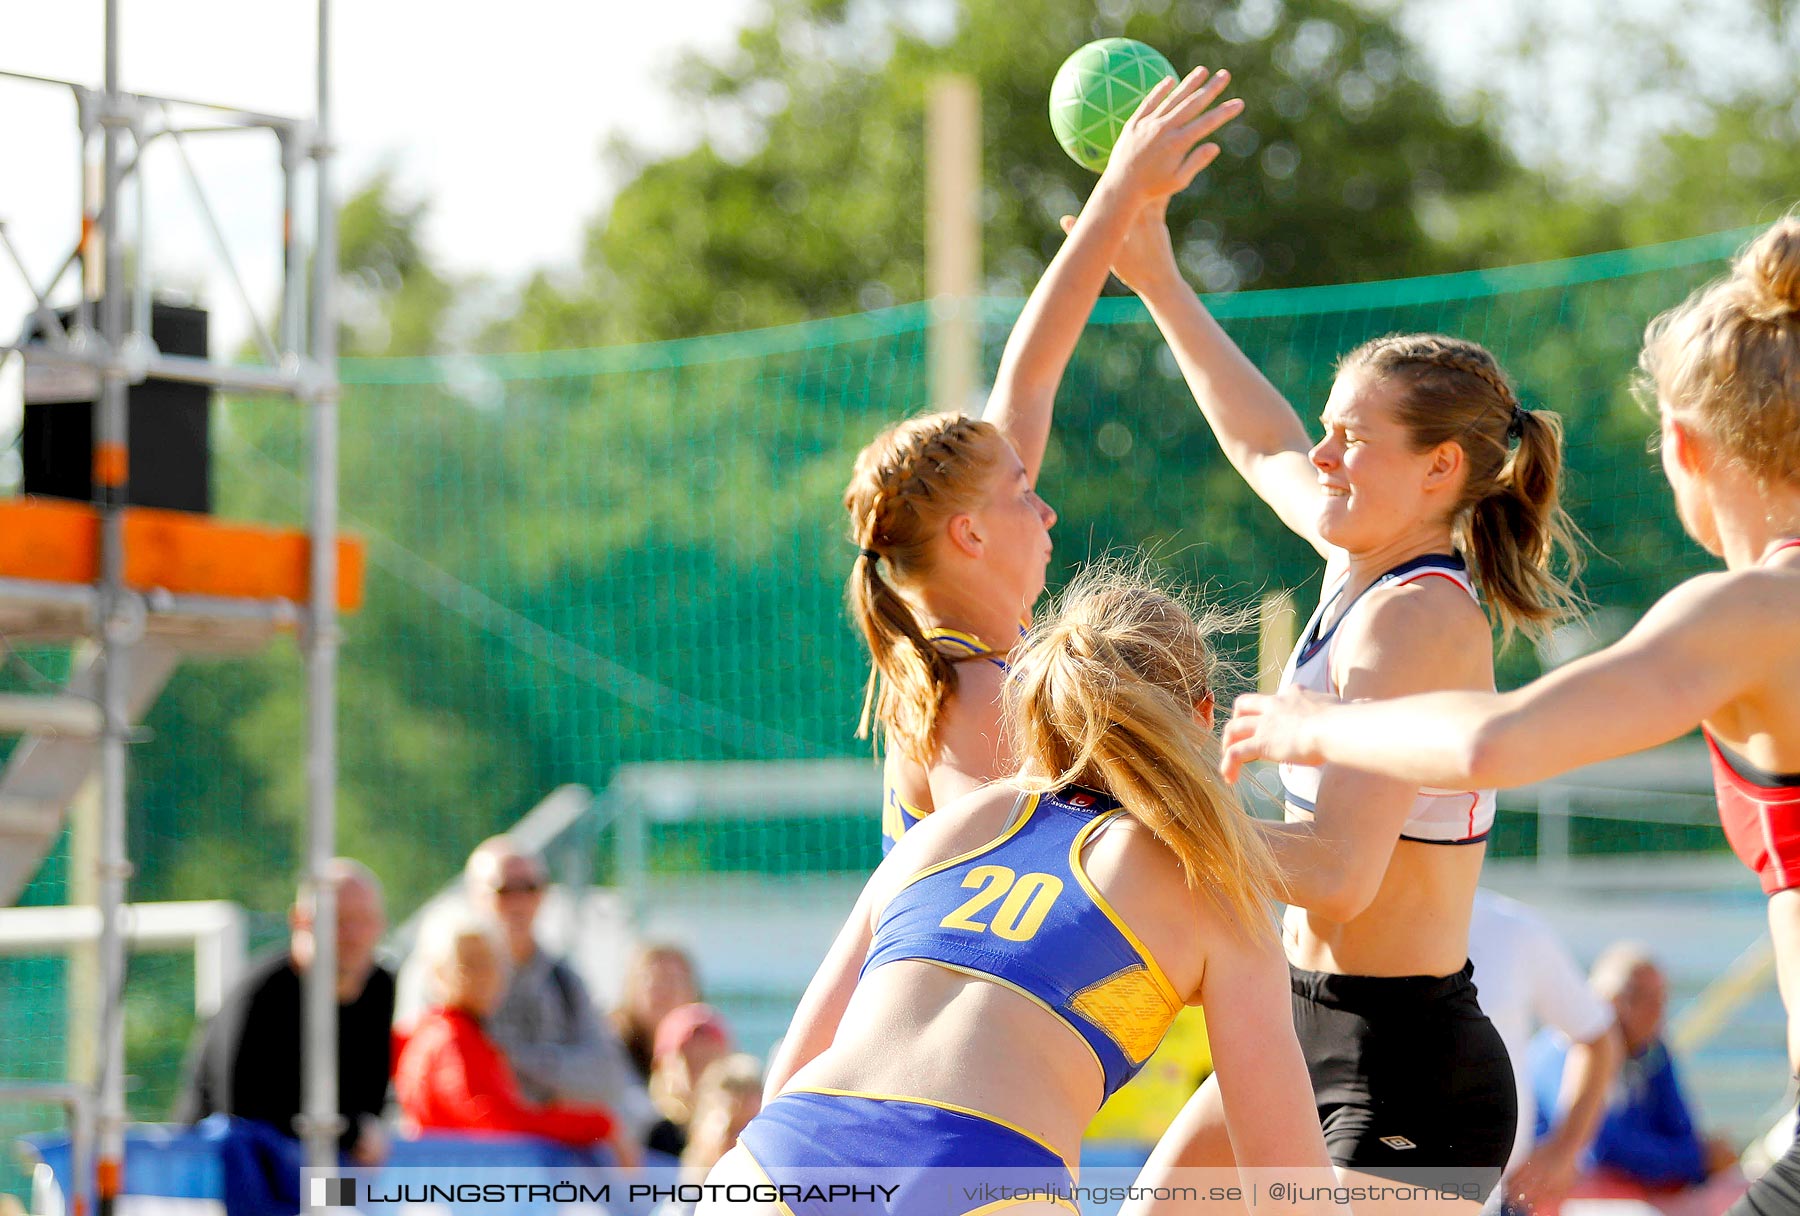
(1727, 359)
(1770, 270)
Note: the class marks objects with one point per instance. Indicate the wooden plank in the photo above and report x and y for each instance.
(54, 540)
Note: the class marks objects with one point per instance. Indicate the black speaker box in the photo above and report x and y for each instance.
(170, 466)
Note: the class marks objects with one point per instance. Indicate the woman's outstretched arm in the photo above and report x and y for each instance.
(1707, 642)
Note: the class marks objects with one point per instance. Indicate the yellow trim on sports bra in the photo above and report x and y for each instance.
(952, 1107)
(908, 807)
(1031, 804)
(751, 1157)
(978, 649)
(1087, 884)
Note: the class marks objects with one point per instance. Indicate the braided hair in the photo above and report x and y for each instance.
(908, 481)
(1509, 522)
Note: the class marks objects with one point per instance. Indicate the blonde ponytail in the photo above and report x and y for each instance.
(1104, 694)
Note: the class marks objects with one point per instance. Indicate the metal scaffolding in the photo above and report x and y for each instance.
(134, 631)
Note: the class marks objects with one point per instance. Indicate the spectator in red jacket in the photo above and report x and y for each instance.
(452, 1077)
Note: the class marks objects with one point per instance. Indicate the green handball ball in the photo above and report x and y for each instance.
(1096, 90)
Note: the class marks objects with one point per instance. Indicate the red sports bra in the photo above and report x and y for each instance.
(1760, 811)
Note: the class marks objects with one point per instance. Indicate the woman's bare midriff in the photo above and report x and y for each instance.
(968, 1042)
(1417, 924)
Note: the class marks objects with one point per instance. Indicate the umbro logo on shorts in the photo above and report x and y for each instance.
(1398, 1142)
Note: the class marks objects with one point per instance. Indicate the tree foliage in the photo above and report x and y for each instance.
(1643, 124)
(806, 199)
(393, 298)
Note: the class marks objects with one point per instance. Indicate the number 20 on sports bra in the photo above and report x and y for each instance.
(1025, 900)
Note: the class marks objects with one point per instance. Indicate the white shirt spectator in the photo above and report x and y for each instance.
(1526, 978)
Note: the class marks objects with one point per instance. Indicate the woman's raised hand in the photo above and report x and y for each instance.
(1161, 148)
(1278, 727)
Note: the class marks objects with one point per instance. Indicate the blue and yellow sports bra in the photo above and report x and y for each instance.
(897, 814)
(1021, 912)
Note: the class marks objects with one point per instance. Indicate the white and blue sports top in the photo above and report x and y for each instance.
(1438, 816)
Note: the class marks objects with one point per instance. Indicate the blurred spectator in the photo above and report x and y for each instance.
(247, 1062)
(689, 1041)
(728, 1097)
(1526, 979)
(559, 1047)
(661, 978)
(1647, 1147)
(452, 1076)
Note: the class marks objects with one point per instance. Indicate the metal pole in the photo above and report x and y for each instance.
(110, 475)
(91, 219)
(320, 1120)
(85, 987)
(1554, 808)
(141, 330)
(953, 238)
(293, 259)
(633, 852)
(1278, 624)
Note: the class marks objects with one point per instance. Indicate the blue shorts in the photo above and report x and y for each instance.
(919, 1158)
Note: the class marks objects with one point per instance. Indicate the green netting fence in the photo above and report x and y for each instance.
(585, 559)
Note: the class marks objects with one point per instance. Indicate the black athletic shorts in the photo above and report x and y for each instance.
(1777, 1192)
(1409, 1074)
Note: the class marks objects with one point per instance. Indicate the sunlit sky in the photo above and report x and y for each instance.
(494, 113)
